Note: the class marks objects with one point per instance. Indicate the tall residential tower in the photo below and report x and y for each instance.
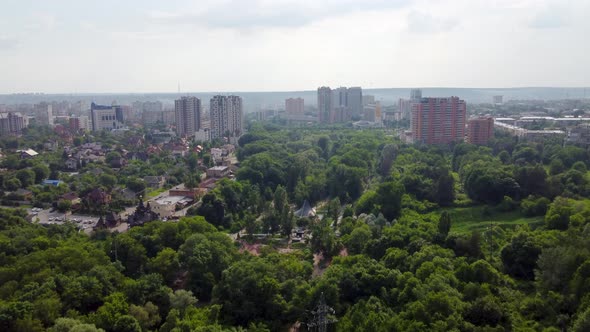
(438, 120)
(187, 113)
(226, 116)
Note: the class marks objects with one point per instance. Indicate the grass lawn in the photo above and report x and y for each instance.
(155, 192)
(468, 219)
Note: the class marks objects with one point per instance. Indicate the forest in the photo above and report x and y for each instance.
(406, 238)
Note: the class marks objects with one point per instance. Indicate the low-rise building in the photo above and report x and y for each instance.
(27, 154)
(218, 172)
(579, 135)
(70, 197)
(166, 206)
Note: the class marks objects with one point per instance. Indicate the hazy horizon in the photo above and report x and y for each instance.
(59, 46)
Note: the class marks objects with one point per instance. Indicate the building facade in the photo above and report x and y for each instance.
(438, 120)
(12, 124)
(325, 104)
(43, 114)
(78, 123)
(226, 116)
(187, 113)
(405, 105)
(480, 130)
(106, 117)
(339, 105)
(295, 106)
(354, 100)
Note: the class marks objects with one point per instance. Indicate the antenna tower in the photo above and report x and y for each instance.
(322, 316)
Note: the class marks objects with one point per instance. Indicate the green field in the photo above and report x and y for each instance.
(468, 219)
(155, 192)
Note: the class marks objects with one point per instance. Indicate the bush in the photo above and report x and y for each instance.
(532, 206)
(507, 204)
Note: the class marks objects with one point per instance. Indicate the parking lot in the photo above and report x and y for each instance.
(84, 222)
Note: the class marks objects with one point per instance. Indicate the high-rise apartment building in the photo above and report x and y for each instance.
(294, 106)
(12, 124)
(480, 130)
(43, 114)
(438, 120)
(106, 117)
(226, 116)
(339, 105)
(498, 100)
(405, 105)
(354, 100)
(415, 94)
(368, 100)
(187, 112)
(325, 105)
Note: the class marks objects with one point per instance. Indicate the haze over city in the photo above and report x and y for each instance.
(287, 45)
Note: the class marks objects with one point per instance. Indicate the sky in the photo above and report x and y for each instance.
(113, 46)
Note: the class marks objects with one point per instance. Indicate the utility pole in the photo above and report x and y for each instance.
(321, 316)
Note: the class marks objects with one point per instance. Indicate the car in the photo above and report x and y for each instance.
(51, 219)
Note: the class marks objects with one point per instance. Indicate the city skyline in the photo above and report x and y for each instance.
(114, 47)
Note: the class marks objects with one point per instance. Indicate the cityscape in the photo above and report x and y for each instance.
(294, 166)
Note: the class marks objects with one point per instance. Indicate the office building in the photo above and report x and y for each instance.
(12, 124)
(106, 117)
(187, 113)
(438, 120)
(480, 130)
(226, 116)
(498, 100)
(294, 106)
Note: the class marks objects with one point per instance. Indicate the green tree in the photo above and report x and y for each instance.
(389, 198)
(26, 177)
(259, 297)
(358, 239)
(181, 300)
(582, 322)
(444, 224)
(520, 256)
(147, 315)
(166, 264)
(41, 172)
(127, 323)
(107, 180)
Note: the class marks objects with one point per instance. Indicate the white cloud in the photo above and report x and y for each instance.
(245, 14)
(8, 43)
(553, 16)
(424, 23)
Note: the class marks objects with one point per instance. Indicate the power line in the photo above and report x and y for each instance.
(322, 316)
